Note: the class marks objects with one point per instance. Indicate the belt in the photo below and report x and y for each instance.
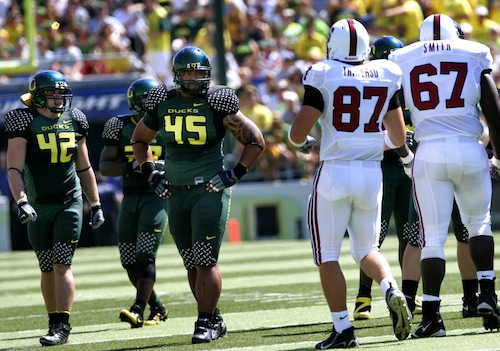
(187, 187)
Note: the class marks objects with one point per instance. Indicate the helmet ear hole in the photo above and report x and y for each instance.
(191, 58)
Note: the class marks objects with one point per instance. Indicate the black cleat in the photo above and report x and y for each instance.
(487, 307)
(220, 329)
(344, 340)
(58, 335)
(469, 307)
(203, 331)
(427, 329)
(362, 308)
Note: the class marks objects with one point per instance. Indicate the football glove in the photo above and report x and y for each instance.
(160, 165)
(407, 163)
(222, 180)
(308, 144)
(409, 139)
(494, 170)
(25, 212)
(159, 184)
(96, 216)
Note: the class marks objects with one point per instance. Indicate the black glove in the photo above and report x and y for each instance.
(309, 143)
(160, 165)
(159, 184)
(96, 216)
(25, 212)
(222, 180)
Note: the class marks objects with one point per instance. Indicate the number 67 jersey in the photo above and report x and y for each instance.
(356, 98)
(441, 84)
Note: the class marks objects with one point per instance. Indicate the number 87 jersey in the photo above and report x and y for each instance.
(441, 84)
(355, 98)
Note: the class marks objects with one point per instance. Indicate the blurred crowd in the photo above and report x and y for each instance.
(269, 44)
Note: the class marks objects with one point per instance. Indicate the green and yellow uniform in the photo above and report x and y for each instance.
(51, 182)
(193, 132)
(142, 217)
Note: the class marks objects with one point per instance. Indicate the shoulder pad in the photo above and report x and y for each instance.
(18, 120)
(80, 117)
(156, 96)
(223, 99)
(112, 128)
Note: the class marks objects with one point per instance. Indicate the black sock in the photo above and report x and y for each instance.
(204, 315)
(365, 291)
(410, 287)
(470, 287)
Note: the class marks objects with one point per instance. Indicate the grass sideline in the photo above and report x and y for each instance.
(271, 301)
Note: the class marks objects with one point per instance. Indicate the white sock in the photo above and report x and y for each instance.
(488, 275)
(387, 283)
(341, 321)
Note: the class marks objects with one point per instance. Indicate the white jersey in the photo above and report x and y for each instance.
(356, 98)
(441, 84)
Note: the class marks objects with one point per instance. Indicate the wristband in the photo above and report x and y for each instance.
(495, 162)
(24, 198)
(94, 204)
(297, 145)
(240, 170)
(389, 142)
(407, 159)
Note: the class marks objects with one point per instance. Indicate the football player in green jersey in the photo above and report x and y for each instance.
(192, 120)
(48, 167)
(142, 217)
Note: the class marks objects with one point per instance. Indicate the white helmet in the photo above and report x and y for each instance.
(347, 41)
(438, 27)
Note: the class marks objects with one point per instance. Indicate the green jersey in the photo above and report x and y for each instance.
(50, 175)
(192, 130)
(118, 132)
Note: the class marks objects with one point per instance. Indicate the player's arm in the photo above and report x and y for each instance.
(490, 105)
(109, 164)
(309, 113)
(16, 157)
(141, 138)
(86, 173)
(248, 134)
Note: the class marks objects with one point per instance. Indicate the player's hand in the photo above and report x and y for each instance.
(309, 143)
(407, 163)
(222, 180)
(409, 139)
(494, 170)
(159, 184)
(25, 212)
(96, 216)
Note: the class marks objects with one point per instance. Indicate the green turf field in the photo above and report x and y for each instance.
(271, 300)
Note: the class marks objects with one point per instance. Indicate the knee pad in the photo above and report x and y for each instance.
(127, 255)
(203, 255)
(432, 252)
(479, 226)
(45, 260)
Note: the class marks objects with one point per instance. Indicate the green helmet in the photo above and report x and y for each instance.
(191, 58)
(383, 46)
(48, 80)
(137, 93)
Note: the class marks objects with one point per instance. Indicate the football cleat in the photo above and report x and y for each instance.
(362, 308)
(487, 307)
(344, 340)
(133, 318)
(469, 307)
(203, 331)
(220, 329)
(158, 314)
(399, 312)
(58, 335)
(430, 328)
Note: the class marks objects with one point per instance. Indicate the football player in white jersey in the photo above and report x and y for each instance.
(351, 99)
(444, 79)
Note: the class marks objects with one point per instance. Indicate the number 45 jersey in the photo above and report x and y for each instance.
(441, 84)
(355, 100)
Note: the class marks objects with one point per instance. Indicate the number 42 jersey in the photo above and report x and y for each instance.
(356, 99)
(441, 84)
